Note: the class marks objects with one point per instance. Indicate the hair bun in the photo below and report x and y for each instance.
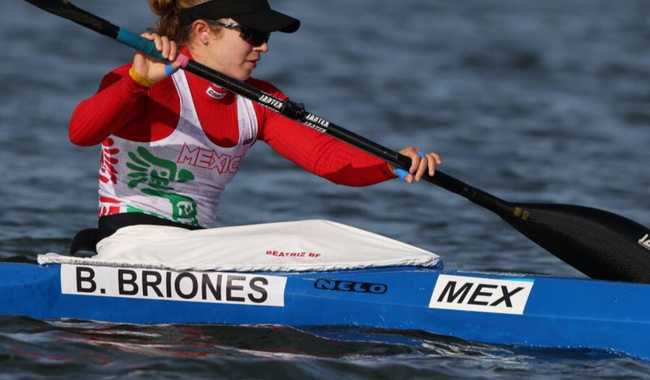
(163, 7)
(168, 12)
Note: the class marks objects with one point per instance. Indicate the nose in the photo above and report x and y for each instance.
(263, 48)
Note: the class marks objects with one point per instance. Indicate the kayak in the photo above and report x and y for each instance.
(508, 309)
(316, 273)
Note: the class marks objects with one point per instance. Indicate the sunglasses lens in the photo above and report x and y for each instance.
(255, 37)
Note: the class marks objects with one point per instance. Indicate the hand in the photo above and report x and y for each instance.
(420, 163)
(152, 70)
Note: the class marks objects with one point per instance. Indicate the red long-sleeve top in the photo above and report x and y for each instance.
(126, 109)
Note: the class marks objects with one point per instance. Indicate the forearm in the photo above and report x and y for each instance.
(325, 156)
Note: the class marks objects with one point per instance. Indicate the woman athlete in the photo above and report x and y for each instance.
(171, 141)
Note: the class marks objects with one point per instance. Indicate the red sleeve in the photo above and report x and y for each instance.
(118, 101)
(316, 152)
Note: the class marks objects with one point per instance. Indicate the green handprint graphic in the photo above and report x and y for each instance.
(157, 175)
(157, 172)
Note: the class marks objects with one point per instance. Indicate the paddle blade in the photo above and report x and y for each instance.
(598, 243)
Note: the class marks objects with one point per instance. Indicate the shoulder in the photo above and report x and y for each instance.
(115, 75)
(118, 72)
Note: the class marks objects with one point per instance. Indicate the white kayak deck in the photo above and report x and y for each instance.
(310, 245)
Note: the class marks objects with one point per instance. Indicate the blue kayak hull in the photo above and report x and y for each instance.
(521, 310)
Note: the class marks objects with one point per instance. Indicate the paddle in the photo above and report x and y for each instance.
(598, 243)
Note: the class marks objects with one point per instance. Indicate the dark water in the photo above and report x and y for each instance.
(531, 100)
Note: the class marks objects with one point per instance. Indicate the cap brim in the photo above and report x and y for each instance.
(269, 21)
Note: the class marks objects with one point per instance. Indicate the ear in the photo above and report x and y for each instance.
(201, 31)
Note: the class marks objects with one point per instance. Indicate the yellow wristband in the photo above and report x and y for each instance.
(139, 79)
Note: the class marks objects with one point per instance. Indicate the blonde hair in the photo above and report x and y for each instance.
(169, 23)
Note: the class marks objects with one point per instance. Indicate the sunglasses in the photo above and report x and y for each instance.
(254, 37)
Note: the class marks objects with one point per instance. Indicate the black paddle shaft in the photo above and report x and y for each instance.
(598, 243)
(297, 112)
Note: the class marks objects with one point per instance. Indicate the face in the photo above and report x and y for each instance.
(225, 50)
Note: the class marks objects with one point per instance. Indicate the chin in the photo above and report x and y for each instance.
(242, 76)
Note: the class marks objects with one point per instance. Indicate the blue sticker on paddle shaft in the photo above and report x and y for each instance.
(402, 174)
(169, 69)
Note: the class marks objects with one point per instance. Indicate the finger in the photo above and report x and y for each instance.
(436, 157)
(412, 153)
(422, 168)
(432, 164)
(157, 41)
(147, 35)
(165, 47)
(415, 163)
(173, 50)
(140, 62)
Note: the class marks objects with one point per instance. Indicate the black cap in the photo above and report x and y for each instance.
(255, 14)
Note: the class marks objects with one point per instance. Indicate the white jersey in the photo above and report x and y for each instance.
(180, 177)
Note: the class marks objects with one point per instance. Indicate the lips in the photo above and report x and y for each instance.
(254, 60)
